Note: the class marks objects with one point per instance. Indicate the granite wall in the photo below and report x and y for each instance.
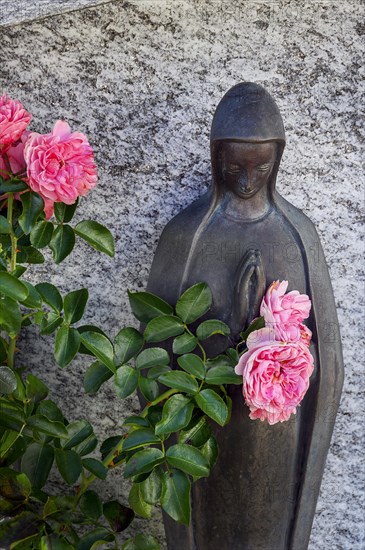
(142, 79)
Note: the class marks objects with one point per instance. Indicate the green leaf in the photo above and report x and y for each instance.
(212, 326)
(50, 295)
(11, 415)
(95, 376)
(95, 467)
(77, 432)
(162, 328)
(88, 328)
(12, 186)
(54, 542)
(222, 375)
(36, 390)
(213, 406)
(137, 503)
(33, 205)
(148, 387)
(155, 372)
(100, 534)
(152, 357)
(87, 446)
(10, 316)
(23, 525)
(136, 421)
(91, 505)
(33, 299)
(12, 447)
(180, 381)
(175, 498)
(100, 346)
(210, 451)
(98, 236)
(141, 542)
(233, 356)
(12, 287)
(146, 306)
(13, 485)
(151, 487)
(30, 255)
(36, 463)
(255, 325)
(3, 351)
(196, 435)
(8, 381)
(184, 343)
(62, 242)
(176, 414)
(69, 465)
(109, 444)
(192, 364)
(126, 381)
(143, 462)
(128, 342)
(42, 424)
(194, 303)
(41, 234)
(118, 516)
(64, 212)
(50, 322)
(28, 543)
(188, 459)
(5, 227)
(74, 305)
(60, 503)
(49, 409)
(67, 343)
(139, 438)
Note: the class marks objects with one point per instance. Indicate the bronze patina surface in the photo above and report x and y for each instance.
(239, 237)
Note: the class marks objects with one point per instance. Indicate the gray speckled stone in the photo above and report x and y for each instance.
(13, 12)
(142, 79)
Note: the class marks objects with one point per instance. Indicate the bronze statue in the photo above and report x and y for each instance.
(239, 237)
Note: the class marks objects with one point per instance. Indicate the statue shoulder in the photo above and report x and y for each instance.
(297, 217)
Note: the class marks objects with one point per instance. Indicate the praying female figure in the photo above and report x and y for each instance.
(239, 237)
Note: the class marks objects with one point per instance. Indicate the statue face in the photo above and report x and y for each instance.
(246, 167)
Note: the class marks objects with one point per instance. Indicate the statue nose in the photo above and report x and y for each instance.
(243, 179)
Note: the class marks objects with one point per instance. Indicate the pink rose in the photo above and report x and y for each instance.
(290, 333)
(60, 164)
(275, 376)
(15, 155)
(13, 121)
(285, 312)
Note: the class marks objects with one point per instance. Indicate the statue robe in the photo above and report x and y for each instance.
(262, 492)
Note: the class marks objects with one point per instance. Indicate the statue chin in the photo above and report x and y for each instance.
(263, 489)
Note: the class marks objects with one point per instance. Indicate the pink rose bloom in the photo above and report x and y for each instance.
(285, 312)
(13, 121)
(60, 164)
(291, 333)
(15, 154)
(275, 376)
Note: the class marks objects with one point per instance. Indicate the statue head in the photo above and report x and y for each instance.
(247, 141)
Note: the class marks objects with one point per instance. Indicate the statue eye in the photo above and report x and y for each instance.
(264, 167)
(233, 169)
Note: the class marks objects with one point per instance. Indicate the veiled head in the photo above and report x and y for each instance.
(247, 140)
